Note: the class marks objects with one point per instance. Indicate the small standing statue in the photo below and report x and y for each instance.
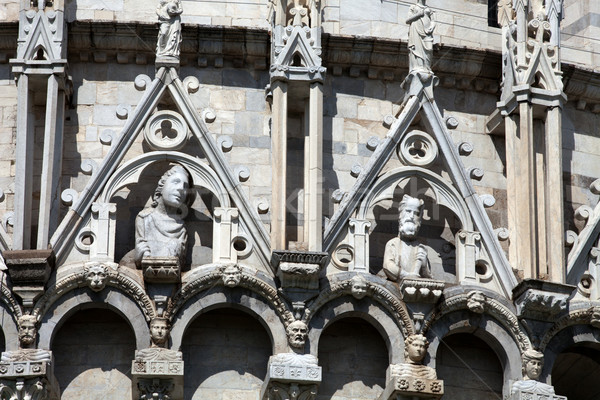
(420, 37)
(404, 256)
(533, 361)
(160, 229)
(169, 32)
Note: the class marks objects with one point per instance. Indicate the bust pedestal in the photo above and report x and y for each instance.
(157, 374)
(291, 376)
(28, 373)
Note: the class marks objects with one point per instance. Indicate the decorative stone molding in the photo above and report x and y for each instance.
(161, 269)
(493, 307)
(157, 374)
(27, 374)
(209, 276)
(581, 316)
(408, 388)
(291, 376)
(114, 279)
(29, 271)
(421, 290)
(526, 395)
(541, 300)
(375, 289)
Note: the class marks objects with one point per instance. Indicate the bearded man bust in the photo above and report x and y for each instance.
(404, 256)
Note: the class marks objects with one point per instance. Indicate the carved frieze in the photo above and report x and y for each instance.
(291, 376)
(157, 374)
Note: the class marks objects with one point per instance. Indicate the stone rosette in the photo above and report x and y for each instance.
(521, 395)
(23, 369)
(399, 386)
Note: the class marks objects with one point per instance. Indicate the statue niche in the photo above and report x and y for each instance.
(404, 256)
(160, 231)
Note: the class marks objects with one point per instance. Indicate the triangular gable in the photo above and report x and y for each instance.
(63, 238)
(40, 36)
(418, 99)
(298, 43)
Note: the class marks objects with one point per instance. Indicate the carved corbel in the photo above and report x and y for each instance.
(225, 229)
(27, 374)
(422, 294)
(29, 271)
(299, 274)
(291, 376)
(359, 240)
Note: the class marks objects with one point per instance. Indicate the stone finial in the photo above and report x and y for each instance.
(231, 275)
(420, 37)
(159, 331)
(27, 330)
(96, 275)
(404, 256)
(169, 32)
(297, 332)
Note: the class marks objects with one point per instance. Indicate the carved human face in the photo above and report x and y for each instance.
(297, 332)
(410, 218)
(232, 276)
(175, 189)
(359, 287)
(27, 331)
(416, 350)
(159, 331)
(595, 320)
(96, 277)
(476, 302)
(533, 368)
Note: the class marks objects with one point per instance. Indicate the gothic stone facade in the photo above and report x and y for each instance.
(299, 199)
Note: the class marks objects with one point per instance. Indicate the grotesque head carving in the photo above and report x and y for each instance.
(359, 286)
(173, 189)
(409, 219)
(27, 330)
(232, 275)
(476, 301)
(533, 361)
(159, 331)
(297, 332)
(415, 349)
(95, 276)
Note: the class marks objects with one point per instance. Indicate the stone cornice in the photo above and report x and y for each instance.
(355, 56)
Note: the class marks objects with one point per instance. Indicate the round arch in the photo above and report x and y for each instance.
(202, 174)
(446, 195)
(570, 336)
(366, 309)
(238, 298)
(485, 328)
(83, 298)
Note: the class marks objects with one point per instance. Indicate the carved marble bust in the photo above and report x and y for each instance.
(297, 332)
(404, 256)
(159, 229)
(533, 361)
(27, 335)
(420, 37)
(169, 32)
(96, 275)
(415, 349)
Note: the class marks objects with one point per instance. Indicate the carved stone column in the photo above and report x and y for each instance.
(40, 64)
(291, 376)
(359, 240)
(224, 231)
(103, 225)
